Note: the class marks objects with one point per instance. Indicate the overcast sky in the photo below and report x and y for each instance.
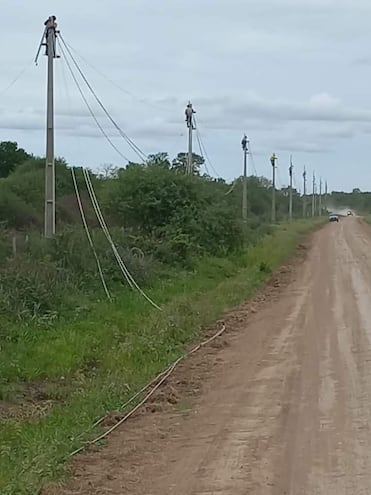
(295, 75)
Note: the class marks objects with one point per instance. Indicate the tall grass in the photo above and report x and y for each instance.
(81, 369)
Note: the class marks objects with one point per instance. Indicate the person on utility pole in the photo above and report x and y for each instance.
(290, 191)
(313, 195)
(273, 163)
(50, 34)
(49, 41)
(305, 193)
(189, 111)
(245, 148)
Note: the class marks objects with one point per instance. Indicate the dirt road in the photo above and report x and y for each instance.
(287, 406)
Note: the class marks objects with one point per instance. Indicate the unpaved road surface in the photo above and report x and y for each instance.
(285, 402)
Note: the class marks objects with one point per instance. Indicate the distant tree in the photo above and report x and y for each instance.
(180, 163)
(108, 171)
(10, 157)
(159, 160)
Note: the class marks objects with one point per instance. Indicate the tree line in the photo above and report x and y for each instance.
(154, 208)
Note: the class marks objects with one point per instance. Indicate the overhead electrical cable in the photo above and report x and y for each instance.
(202, 154)
(15, 80)
(90, 108)
(253, 160)
(130, 142)
(118, 86)
(88, 235)
(205, 153)
(130, 279)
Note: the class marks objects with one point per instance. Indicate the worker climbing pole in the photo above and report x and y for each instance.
(189, 111)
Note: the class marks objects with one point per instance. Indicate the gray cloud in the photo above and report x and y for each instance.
(292, 74)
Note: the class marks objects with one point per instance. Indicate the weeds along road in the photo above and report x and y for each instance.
(287, 406)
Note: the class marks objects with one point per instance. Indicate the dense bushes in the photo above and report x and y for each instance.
(189, 214)
(50, 279)
(160, 218)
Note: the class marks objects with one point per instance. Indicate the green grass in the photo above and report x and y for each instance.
(86, 368)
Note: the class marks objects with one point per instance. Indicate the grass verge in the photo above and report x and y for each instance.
(55, 384)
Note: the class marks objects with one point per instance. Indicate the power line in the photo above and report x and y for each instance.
(198, 133)
(279, 178)
(253, 161)
(231, 188)
(201, 153)
(130, 142)
(88, 235)
(15, 80)
(64, 79)
(130, 279)
(118, 86)
(89, 107)
(295, 183)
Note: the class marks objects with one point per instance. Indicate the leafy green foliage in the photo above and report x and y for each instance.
(356, 200)
(186, 212)
(179, 163)
(10, 157)
(182, 239)
(153, 208)
(89, 367)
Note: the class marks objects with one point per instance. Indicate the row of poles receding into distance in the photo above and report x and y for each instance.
(189, 112)
(315, 208)
(48, 41)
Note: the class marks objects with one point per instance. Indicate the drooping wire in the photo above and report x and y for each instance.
(205, 153)
(129, 278)
(118, 86)
(64, 79)
(202, 154)
(251, 154)
(295, 182)
(65, 59)
(130, 142)
(103, 225)
(15, 80)
(232, 187)
(280, 183)
(88, 235)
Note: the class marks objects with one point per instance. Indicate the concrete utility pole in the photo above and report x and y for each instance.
(326, 192)
(314, 195)
(49, 41)
(290, 191)
(305, 193)
(273, 163)
(189, 111)
(320, 198)
(245, 147)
